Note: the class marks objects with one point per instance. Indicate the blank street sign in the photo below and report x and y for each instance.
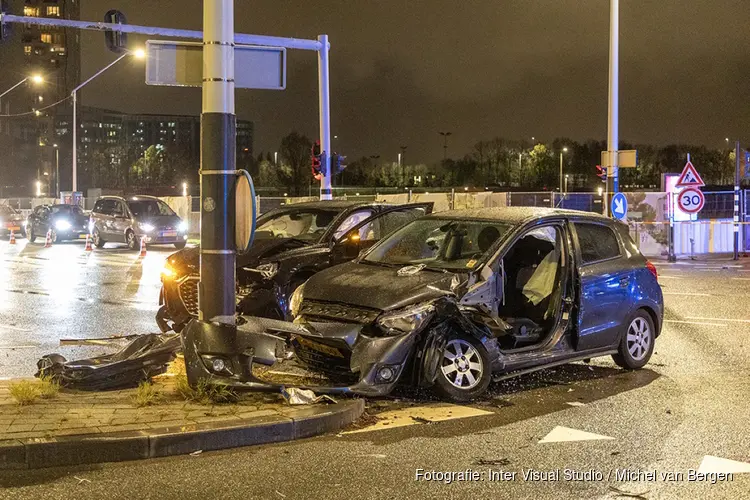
(181, 64)
(625, 159)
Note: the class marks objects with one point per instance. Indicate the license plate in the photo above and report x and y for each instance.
(315, 346)
(82, 236)
(169, 234)
(14, 228)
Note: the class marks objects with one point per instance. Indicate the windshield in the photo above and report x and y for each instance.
(7, 210)
(439, 243)
(304, 224)
(147, 208)
(65, 209)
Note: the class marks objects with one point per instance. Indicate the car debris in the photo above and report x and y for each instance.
(296, 396)
(145, 357)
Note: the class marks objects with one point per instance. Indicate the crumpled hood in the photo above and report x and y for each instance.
(262, 249)
(376, 287)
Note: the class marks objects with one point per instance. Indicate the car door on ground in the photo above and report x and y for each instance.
(605, 284)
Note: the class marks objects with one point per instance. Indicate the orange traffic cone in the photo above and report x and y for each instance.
(48, 242)
(143, 247)
(12, 240)
(88, 243)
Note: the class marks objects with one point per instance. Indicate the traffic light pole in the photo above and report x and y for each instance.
(324, 90)
(613, 109)
(218, 166)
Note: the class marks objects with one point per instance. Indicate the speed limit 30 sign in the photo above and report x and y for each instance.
(691, 200)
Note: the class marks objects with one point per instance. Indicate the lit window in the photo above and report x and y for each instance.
(30, 11)
(40, 98)
(46, 38)
(53, 11)
(27, 50)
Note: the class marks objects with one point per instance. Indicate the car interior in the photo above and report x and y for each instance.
(533, 287)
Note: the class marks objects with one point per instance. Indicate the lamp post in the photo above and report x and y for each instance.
(402, 162)
(57, 171)
(138, 54)
(445, 143)
(564, 150)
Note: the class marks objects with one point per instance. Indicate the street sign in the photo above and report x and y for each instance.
(691, 200)
(180, 64)
(625, 159)
(689, 177)
(619, 206)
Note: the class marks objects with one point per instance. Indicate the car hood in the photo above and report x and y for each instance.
(189, 258)
(376, 287)
(77, 220)
(160, 222)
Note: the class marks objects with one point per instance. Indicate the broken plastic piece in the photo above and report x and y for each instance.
(296, 396)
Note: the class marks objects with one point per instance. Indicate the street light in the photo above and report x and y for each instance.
(57, 170)
(36, 79)
(564, 150)
(445, 143)
(566, 183)
(184, 189)
(138, 54)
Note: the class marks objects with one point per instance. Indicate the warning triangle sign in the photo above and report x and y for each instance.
(689, 177)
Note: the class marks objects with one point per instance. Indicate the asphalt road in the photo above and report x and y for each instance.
(686, 411)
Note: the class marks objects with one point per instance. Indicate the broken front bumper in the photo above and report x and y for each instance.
(375, 364)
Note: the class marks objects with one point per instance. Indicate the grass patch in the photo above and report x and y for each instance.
(204, 393)
(26, 392)
(146, 395)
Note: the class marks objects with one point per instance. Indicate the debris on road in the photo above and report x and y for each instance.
(575, 403)
(196, 453)
(295, 396)
(492, 461)
(628, 494)
(81, 480)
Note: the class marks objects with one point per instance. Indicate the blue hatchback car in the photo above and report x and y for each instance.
(455, 299)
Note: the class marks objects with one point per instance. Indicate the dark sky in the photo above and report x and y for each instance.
(404, 70)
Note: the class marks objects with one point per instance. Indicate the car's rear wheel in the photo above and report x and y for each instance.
(131, 240)
(98, 240)
(637, 344)
(464, 371)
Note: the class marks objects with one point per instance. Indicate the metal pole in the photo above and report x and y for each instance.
(325, 118)
(737, 201)
(520, 170)
(218, 166)
(614, 93)
(14, 86)
(561, 173)
(75, 141)
(57, 172)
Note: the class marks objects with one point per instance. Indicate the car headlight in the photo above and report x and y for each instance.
(62, 225)
(146, 228)
(268, 270)
(296, 300)
(182, 227)
(406, 320)
(168, 271)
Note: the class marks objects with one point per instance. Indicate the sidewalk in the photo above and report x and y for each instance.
(74, 427)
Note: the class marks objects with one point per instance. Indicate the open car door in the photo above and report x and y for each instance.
(373, 229)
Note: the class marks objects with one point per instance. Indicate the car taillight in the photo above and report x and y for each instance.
(652, 268)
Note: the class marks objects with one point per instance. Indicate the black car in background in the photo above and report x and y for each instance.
(64, 222)
(10, 220)
(291, 244)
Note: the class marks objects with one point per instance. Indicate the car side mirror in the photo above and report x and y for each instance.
(348, 247)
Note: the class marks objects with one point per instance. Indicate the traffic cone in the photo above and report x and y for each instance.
(12, 239)
(48, 242)
(143, 246)
(88, 243)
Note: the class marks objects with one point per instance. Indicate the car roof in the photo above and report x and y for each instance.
(335, 204)
(515, 215)
(128, 198)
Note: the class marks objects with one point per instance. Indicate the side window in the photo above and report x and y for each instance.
(98, 206)
(119, 209)
(39, 211)
(597, 241)
(351, 221)
(389, 222)
(108, 207)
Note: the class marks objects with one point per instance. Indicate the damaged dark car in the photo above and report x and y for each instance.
(292, 243)
(454, 300)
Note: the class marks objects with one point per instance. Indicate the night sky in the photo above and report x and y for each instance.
(404, 70)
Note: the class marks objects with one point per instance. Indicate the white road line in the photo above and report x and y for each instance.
(18, 346)
(741, 279)
(693, 322)
(671, 277)
(690, 294)
(420, 414)
(718, 319)
(15, 328)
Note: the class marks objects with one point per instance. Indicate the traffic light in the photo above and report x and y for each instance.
(601, 172)
(4, 27)
(116, 41)
(316, 158)
(338, 163)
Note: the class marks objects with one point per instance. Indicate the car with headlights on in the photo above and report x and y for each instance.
(128, 220)
(11, 220)
(291, 244)
(63, 222)
(456, 299)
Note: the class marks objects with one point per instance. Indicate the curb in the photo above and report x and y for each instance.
(36, 453)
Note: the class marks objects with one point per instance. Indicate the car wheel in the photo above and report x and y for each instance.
(637, 344)
(98, 241)
(131, 240)
(464, 371)
(180, 245)
(31, 235)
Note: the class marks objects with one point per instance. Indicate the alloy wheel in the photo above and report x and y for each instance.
(639, 338)
(462, 365)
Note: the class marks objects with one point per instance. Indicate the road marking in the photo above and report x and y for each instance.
(718, 464)
(18, 346)
(563, 434)
(718, 319)
(420, 415)
(741, 279)
(693, 322)
(661, 276)
(688, 294)
(15, 328)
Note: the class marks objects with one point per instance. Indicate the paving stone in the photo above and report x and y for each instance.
(257, 413)
(20, 427)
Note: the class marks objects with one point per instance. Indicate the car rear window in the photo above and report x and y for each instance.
(597, 241)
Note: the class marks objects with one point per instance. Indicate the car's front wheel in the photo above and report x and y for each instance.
(31, 236)
(98, 240)
(464, 371)
(637, 344)
(131, 240)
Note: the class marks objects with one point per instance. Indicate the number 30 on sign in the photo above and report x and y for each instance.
(691, 200)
